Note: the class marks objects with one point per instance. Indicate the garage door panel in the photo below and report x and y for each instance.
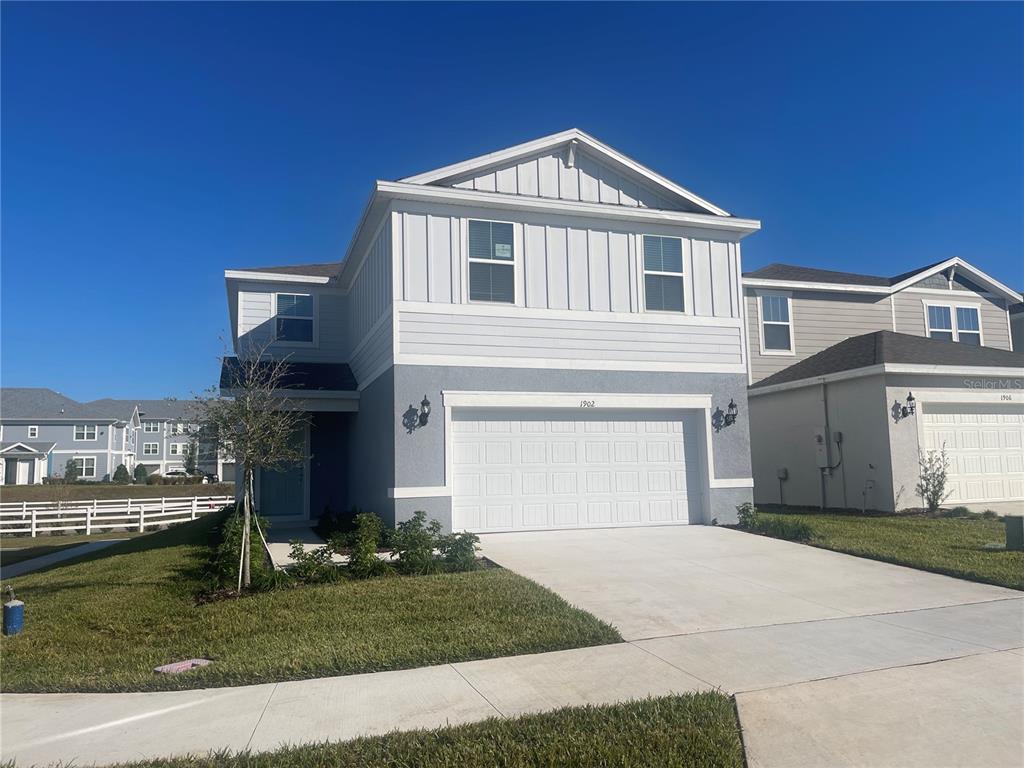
(558, 470)
(984, 446)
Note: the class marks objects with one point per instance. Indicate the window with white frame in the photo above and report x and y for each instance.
(151, 426)
(776, 324)
(492, 262)
(151, 449)
(663, 274)
(85, 431)
(33, 432)
(177, 428)
(951, 323)
(177, 449)
(294, 322)
(86, 466)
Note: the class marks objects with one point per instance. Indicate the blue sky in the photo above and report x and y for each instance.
(147, 147)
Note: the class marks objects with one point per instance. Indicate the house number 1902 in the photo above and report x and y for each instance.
(587, 403)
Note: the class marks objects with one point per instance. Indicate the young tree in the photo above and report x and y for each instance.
(121, 475)
(257, 425)
(931, 485)
(191, 457)
(140, 474)
(71, 472)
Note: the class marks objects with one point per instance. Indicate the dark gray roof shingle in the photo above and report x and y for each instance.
(888, 347)
(323, 377)
(152, 410)
(45, 404)
(810, 275)
(41, 448)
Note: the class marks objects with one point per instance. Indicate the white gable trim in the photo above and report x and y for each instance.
(538, 145)
(404, 191)
(274, 277)
(959, 264)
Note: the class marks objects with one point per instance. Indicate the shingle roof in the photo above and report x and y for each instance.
(810, 275)
(324, 377)
(151, 410)
(330, 269)
(42, 448)
(1016, 309)
(888, 347)
(45, 404)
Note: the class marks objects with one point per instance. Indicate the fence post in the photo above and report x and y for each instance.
(88, 518)
(24, 506)
(195, 503)
(142, 517)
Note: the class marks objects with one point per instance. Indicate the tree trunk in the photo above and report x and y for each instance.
(245, 576)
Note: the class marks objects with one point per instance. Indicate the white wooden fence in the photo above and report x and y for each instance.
(97, 515)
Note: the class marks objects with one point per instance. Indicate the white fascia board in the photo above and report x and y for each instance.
(274, 277)
(756, 282)
(963, 266)
(313, 394)
(889, 368)
(545, 142)
(403, 191)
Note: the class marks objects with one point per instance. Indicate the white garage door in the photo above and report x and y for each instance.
(542, 468)
(985, 445)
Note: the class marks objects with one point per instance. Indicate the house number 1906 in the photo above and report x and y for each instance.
(587, 403)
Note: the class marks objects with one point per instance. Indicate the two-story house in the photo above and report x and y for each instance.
(42, 430)
(166, 428)
(854, 377)
(548, 336)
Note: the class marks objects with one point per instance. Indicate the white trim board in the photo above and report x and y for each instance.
(567, 364)
(490, 309)
(889, 368)
(274, 277)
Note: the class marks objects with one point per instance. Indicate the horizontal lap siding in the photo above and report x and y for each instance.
(819, 321)
(428, 333)
(374, 354)
(910, 316)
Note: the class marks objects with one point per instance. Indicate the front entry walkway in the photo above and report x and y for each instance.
(834, 660)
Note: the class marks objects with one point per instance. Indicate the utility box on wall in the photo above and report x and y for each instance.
(820, 448)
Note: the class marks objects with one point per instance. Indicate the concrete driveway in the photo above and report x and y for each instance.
(834, 660)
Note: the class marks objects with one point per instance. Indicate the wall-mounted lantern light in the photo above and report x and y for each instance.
(900, 411)
(424, 411)
(721, 419)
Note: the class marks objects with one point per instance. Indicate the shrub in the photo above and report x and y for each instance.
(70, 471)
(747, 514)
(314, 566)
(988, 514)
(140, 473)
(154, 479)
(931, 485)
(414, 542)
(363, 543)
(121, 475)
(223, 565)
(459, 551)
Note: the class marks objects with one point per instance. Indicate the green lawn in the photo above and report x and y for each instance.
(89, 491)
(692, 730)
(103, 623)
(953, 546)
(14, 549)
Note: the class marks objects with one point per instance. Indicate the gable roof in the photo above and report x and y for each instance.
(167, 409)
(42, 404)
(571, 139)
(27, 448)
(306, 273)
(791, 274)
(882, 347)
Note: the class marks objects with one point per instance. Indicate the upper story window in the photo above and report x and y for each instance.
(294, 322)
(663, 273)
(33, 432)
(151, 426)
(776, 325)
(177, 428)
(85, 431)
(961, 324)
(86, 466)
(177, 449)
(491, 262)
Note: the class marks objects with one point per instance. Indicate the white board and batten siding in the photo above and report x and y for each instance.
(547, 174)
(369, 312)
(579, 296)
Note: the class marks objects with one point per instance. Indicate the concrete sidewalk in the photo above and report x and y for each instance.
(763, 665)
(44, 561)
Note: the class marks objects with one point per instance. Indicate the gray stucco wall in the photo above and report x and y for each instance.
(371, 449)
(420, 454)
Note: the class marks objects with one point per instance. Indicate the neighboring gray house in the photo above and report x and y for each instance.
(165, 430)
(41, 430)
(548, 336)
(854, 375)
(1017, 326)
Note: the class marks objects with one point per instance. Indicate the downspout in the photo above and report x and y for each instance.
(822, 470)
